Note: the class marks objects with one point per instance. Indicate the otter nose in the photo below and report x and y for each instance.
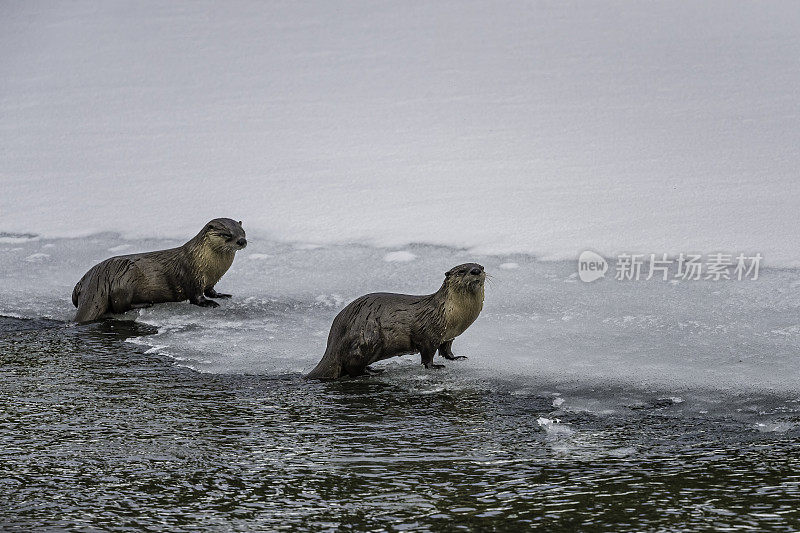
(242, 241)
(475, 271)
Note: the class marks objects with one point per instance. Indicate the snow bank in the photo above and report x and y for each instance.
(517, 127)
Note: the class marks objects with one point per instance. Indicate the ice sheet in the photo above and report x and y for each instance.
(539, 324)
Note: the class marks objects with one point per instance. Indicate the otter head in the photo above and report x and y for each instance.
(224, 235)
(468, 277)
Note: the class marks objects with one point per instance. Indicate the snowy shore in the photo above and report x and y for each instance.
(538, 128)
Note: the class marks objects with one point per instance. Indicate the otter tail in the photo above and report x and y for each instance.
(327, 368)
(91, 297)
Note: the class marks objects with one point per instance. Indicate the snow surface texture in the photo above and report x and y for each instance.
(538, 127)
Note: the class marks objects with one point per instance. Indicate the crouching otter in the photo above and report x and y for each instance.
(382, 325)
(188, 272)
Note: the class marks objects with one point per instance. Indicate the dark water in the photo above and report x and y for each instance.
(97, 434)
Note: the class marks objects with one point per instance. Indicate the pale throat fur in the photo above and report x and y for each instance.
(461, 308)
(211, 263)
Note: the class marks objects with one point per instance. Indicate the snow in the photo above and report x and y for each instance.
(120, 248)
(535, 128)
(37, 257)
(401, 256)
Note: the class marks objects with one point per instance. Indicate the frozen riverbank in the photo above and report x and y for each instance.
(539, 320)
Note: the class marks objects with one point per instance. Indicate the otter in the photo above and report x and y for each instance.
(382, 325)
(188, 272)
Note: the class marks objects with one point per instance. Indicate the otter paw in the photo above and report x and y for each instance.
(207, 303)
(459, 357)
(431, 365)
(211, 293)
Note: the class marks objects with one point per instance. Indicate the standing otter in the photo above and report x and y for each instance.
(382, 325)
(186, 272)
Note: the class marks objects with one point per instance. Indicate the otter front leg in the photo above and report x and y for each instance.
(211, 293)
(203, 302)
(196, 297)
(446, 351)
(427, 358)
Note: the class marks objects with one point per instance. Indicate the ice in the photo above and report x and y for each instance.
(727, 335)
(6, 238)
(554, 427)
(542, 129)
(775, 427)
(673, 399)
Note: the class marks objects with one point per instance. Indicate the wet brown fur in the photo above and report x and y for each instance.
(383, 325)
(188, 272)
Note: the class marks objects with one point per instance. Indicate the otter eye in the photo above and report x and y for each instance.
(447, 274)
(462, 271)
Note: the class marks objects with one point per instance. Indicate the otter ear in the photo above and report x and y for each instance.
(240, 223)
(447, 274)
